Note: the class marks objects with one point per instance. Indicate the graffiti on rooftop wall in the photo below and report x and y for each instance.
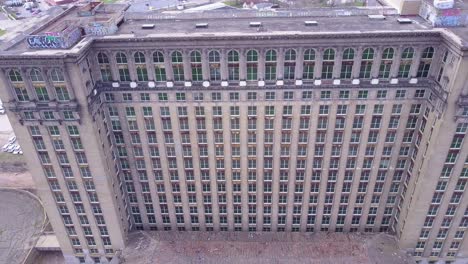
(451, 12)
(54, 40)
(45, 42)
(100, 29)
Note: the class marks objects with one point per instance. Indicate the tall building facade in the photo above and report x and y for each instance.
(343, 124)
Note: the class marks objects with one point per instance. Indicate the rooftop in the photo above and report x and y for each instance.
(220, 26)
(78, 26)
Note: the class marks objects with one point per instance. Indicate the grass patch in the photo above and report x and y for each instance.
(6, 157)
(109, 1)
(234, 3)
(2, 32)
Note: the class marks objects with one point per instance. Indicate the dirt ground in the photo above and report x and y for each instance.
(13, 169)
(258, 248)
(23, 219)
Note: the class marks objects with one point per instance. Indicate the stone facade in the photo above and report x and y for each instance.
(288, 133)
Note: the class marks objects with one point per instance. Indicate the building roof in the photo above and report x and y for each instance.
(223, 24)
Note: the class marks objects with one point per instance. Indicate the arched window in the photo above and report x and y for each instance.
(177, 66)
(196, 65)
(252, 65)
(159, 67)
(104, 66)
(139, 57)
(308, 64)
(15, 76)
(252, 56)
(233, 56)
(60, 88)
(56, 75)
(386, 63)
(214, 60)
(328, 55)
(18, 85)
(233, 65)
(328, 63)
(347, 63)
(140, 65)
(407, 53)
(176, 57)
(121, 58)
(102, 58)
(270, 65)
(124, 73)
(289, 64)
(290, 55)
(195, 57)
(428, 53)
(405, 62)
(36, 75)
(213, 56)
(425, 62)
(366, 63)
(158, 57)
(39, 86)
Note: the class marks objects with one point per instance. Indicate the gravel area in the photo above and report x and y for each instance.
(258, 248)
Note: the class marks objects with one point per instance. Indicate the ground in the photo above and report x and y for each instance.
(258, 248)
(13, 169)
(23, 219)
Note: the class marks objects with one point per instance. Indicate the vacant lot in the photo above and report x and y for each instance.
(259, 248)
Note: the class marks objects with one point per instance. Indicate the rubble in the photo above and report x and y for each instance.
(244, 247)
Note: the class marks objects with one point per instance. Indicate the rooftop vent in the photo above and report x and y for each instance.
(147, 26)
(376, 17)
(255, 24)
(311, 23)
(404, 21)
(201, 25)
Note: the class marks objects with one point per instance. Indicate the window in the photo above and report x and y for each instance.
(363, 94)
(104, 65)
(214, 61)
(366, 63)
(62, 93)
(252, 65)
(233, 65)
(328, 63)
(56, 75)
(159, 67)
(289, 64)
(124, 74)
(140, 64)
(196, 65)
(270, 65)
(41, 93)
(347, 63)
(177, 66)
(386, 63)
(425, 62)
(308, 64)
(405, 62)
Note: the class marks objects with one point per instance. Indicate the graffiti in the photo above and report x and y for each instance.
(73, 37)
(98, 29)
(449, 21)
(451, 12)
(52, 40)
(45, 42)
